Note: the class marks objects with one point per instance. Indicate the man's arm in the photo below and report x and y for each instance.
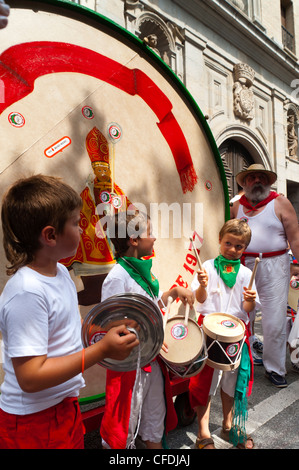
(234, 210)
(286, 213)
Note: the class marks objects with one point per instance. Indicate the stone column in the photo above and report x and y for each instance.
(279, 141)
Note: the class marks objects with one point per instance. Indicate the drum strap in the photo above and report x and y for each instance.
(229, 300)
(136, 401)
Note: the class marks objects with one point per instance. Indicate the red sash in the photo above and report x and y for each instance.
(244, 201)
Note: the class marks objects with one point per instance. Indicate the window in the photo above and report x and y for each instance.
(251, 8)
(287, 25)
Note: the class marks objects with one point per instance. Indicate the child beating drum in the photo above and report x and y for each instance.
(221, 286)
(40, 322)
(126, 415)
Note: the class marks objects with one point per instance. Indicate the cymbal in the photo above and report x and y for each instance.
(140, 314)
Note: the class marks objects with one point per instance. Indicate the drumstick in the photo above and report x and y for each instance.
(257, 260)
(187, 314)
(169, 301)
(196, 254)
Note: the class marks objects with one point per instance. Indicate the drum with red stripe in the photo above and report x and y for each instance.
(89, 102)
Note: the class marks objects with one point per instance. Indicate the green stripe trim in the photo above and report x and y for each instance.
(91, 399)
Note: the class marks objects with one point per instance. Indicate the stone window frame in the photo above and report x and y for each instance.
(150, 23)
(251, 8)
(170, 38)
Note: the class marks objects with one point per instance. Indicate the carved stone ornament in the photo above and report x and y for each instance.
(292, 136)
(243, 93)
(240, 4)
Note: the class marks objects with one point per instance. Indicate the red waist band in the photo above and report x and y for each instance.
(270, 254)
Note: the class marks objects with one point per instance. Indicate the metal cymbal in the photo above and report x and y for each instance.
(138, 313)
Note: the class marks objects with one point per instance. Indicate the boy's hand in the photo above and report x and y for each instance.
(249, 295)
(185, 295)
(118, 343)
(203, 278)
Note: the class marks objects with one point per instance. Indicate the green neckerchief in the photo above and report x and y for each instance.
(227, 269)
(140, 271)
(240, 412)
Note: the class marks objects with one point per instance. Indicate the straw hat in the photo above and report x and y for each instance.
(256, 168)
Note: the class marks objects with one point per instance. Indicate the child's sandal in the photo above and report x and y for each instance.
(224, 434)
(204, 442)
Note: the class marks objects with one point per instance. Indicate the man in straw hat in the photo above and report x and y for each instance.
(274, 224)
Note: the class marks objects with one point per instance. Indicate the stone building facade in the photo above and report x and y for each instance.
(239, 61)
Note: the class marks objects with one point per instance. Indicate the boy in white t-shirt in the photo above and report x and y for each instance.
(222, 287)
(43, 359)
(133, 243)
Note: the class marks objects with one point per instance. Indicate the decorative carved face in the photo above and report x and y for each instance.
(101, 171)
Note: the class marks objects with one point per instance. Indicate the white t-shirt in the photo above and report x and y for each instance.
(222, 298)
(119, 281)
(38, 315)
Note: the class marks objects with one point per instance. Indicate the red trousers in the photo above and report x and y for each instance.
(58, 427)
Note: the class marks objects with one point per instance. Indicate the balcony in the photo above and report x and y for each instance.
(288, 40)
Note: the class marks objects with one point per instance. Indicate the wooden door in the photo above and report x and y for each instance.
(235, 158)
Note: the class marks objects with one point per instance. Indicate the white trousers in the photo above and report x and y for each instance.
(152, 406)
(272, 283)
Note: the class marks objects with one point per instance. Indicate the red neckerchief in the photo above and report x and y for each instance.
(244, 201)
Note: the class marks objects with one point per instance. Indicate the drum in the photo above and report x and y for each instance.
(140, 315)
(225, 336)
(68, 71)
(186, 354)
